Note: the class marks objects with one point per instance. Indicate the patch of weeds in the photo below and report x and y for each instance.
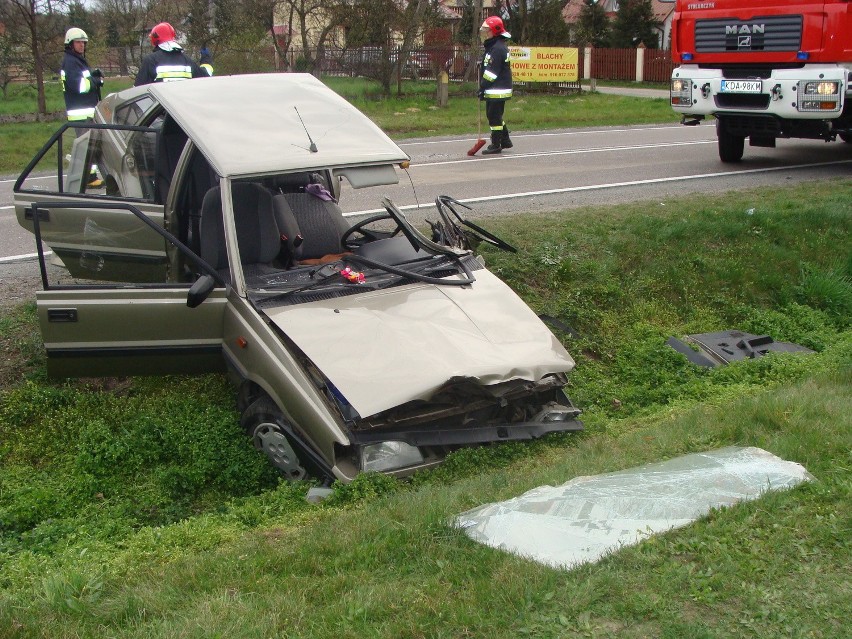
(71, 592)
(829, 289)
(797, 323)
(20, 343)
(364, 486)
(118, 462)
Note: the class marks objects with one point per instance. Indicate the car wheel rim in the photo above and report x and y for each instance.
(270, 439)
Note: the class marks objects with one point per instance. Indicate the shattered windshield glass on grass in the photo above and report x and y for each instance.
(589, 517)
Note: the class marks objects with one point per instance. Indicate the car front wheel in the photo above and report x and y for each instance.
(270, 433)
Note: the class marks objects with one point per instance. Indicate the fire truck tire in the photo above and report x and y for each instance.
(730, 146)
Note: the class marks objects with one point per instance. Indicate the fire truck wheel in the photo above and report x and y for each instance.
(730, 146)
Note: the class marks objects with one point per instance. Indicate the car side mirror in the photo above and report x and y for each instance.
(200, 290)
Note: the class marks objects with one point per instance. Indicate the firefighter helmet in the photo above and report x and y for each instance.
(163, 32)
(495, 25)
(75, 33)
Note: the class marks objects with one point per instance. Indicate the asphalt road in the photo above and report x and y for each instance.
(557, 170)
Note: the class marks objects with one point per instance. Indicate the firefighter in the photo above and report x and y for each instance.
(495, 85)
(206, 60)
(81, 86)
(168, 62)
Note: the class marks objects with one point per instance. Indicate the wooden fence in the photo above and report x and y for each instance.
(633, 65)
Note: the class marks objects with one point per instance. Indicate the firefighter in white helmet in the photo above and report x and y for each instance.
(81, 85)
(495, 84)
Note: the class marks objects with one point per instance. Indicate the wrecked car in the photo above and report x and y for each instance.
(217, 243)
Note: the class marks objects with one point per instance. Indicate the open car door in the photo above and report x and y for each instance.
(113, 303)
(93, 328)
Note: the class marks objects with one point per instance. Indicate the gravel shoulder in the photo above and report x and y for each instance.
(19, 282)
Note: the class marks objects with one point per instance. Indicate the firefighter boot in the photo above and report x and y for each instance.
(505, 142)
(495, 146)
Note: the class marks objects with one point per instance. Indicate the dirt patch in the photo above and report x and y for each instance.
(17, 118)
(19, 282)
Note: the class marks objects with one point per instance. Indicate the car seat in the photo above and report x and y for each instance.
(320, 223)
(258, 237)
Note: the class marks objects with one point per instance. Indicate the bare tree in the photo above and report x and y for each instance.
(13, 45)
(123, 25)
(475, 45)
(381, 33)
(38, 19)
(313, 22)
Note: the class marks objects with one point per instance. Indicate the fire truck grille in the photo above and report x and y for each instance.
(762, 33)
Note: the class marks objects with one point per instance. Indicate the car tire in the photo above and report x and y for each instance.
(247, 394)
(270, 433)
(731, 147)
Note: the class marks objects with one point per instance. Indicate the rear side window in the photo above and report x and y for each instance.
(96, 160)
(131, 112)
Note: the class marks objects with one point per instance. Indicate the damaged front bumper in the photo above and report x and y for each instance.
(401, 450)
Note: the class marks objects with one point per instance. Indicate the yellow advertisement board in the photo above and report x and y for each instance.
(544, 64)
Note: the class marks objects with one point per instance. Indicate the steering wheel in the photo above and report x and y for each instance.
(367, 234)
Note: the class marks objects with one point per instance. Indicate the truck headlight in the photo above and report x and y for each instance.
(390, 455)
(681, 92)
(821, 88)
(819, 96)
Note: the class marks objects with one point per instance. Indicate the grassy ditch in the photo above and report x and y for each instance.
(413, 114)
(135, 508)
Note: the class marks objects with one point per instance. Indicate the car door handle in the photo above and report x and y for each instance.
(43, 214)
(62, 315)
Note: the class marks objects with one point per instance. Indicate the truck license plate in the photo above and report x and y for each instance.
(741, 86)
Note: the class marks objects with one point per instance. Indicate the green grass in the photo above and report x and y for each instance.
(23, 98)
(136, 509)
(413, 114)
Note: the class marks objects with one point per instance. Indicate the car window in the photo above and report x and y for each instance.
(97, 162)
(132, 112)
(107, 244)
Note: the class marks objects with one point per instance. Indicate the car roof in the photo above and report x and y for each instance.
(253, 124)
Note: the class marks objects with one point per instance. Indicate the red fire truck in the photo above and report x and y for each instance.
(765, 69)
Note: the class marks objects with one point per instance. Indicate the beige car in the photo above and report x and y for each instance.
(218, 244)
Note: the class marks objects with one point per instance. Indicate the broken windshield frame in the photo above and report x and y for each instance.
(377, 275)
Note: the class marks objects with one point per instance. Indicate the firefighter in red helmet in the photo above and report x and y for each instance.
(495, 84)
(168, 62)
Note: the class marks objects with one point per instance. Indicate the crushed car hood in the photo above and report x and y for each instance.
(381, 349)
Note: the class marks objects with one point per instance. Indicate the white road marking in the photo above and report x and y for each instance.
(611, 185)
(22, 258)
(43, 177)
(517, 135)
(520, 156)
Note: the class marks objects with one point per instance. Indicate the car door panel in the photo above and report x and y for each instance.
(130, 331)
(93, 243)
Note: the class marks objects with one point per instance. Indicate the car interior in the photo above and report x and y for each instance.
(284, 223)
